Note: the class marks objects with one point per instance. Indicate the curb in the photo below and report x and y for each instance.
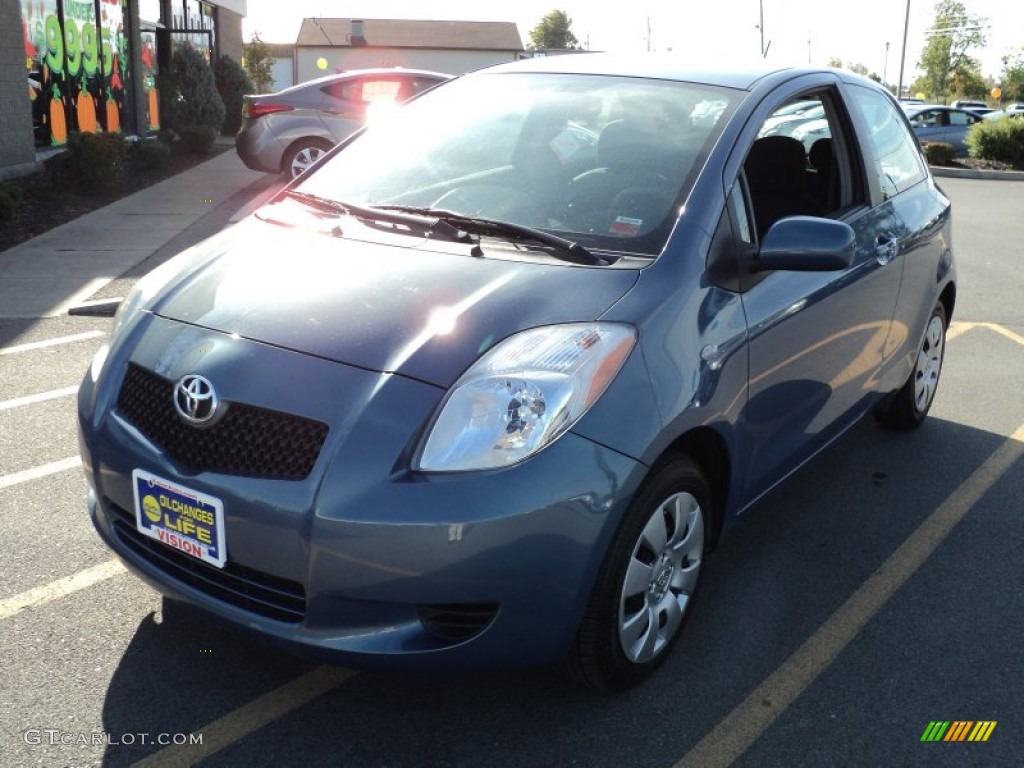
(972, 173)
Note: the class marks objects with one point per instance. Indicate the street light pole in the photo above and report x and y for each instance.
(903, 56)
(885, 66)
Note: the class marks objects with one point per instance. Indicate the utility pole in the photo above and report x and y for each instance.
(761, 27)
(903, 56)
(885, 66)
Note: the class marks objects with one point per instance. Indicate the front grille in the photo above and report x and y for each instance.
(246, 588)
(457, 621)
(248, 440)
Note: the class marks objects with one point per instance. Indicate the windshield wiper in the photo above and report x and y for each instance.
(433, 225)
(569, 250)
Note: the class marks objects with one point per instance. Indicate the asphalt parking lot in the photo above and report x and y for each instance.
(878, 592)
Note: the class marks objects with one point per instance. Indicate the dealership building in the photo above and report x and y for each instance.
(92, 65)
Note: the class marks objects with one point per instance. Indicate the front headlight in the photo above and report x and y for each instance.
(522, 394)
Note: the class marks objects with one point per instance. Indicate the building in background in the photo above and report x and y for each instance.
(92, 65)
(325, 46)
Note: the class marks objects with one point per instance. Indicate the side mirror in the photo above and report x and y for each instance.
(806, 244)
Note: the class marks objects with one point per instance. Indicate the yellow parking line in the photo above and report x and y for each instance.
(1005, 332)
(752, 717)
(39, 596)
(251, 717)
(957, 328)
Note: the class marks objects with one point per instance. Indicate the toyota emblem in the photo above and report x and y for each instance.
(195, 399)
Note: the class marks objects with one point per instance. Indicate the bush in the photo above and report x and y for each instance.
(97, 159)
(151, 153)
(197, 139)
(232, 83)
(10, 199)
(938, 153)
(194, 106)
(1001, 139)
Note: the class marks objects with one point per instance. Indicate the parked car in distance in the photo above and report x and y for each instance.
(287, 131)
(943, 124)
(980, 107)
(482, 390)
(997, 114)
(785, 123)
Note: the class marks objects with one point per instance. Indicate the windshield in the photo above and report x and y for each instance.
(600, 160)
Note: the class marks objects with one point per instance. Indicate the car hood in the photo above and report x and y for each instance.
(406, 305)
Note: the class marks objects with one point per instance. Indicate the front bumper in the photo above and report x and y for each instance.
(363, 560)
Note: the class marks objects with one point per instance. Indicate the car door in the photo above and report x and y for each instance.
(959, 123)
(816, 340)
(931, 125)
(915, 219)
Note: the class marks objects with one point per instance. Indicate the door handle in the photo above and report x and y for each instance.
(886, 249)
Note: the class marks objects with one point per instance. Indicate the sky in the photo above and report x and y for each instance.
(796, 31)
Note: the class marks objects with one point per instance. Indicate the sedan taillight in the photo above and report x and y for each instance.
(259, 109)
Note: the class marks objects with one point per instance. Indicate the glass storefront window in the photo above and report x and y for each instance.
(149, 10)
(76, 55)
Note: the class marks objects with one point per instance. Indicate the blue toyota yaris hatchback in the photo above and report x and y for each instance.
(486, 384)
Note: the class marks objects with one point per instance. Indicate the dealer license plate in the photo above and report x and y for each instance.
(187, 520)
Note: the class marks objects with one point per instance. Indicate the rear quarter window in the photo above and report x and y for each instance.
(897, 159)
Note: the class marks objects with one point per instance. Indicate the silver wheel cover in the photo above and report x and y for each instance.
(660, 577)
(304, 158)
(929, 364)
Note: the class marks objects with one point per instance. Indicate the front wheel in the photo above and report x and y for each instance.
(647, 584)
(911, 404)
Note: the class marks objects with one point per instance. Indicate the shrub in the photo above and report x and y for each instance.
(96, 159)
(197, 139)
(193, 104)
(10, 199)
(232, 83)
(151, 153)
(1001, 139)
(938, 152)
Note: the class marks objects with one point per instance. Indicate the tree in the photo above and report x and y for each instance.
(1013, 77)
(233, 84)
(855, 67)
(944, 59)
(554, 33)
(258, 63)
(194, 104)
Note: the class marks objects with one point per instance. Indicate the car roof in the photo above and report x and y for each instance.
(743, 76)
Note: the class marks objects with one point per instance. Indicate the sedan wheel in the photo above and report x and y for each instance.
(911, 404)
(645, 589)
(304, 155)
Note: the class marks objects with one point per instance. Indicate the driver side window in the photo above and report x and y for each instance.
(794, 168)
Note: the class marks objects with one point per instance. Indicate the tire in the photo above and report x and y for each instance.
(303, 154)
(909, 406)
(648, 581)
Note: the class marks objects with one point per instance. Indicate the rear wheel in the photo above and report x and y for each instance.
(908, 408)
(303, 154)
(646, 586)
